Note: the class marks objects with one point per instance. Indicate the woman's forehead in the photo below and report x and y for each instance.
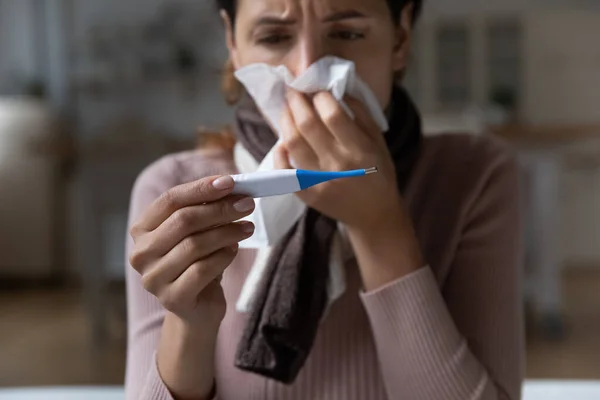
(296, 8)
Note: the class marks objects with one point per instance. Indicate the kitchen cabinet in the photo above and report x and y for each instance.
(29, 190)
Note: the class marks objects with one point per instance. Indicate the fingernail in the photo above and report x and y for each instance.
(248, 227)
(244, 205)
(223, 183)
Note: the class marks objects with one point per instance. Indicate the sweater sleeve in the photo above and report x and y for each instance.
(145, 314)
(465, 341)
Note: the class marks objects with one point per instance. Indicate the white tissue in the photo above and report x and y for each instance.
(267, 86)
(275, 216)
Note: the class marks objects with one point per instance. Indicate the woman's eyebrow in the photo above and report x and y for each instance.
(272, 20)
(335, 17)
(343, 15)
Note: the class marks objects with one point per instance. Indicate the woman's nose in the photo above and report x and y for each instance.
(308, 50)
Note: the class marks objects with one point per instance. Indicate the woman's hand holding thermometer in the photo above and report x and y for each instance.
(183, 243)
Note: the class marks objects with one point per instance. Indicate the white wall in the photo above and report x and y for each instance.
(459, 8)
(446, 8)
(563, 67)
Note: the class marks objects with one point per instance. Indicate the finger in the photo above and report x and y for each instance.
(191, 220)
(299, 149)
(363, 117)
(195, 248)
(309, 124)
(336, 119)
(282, 158)
(199, 192)
(197, 277)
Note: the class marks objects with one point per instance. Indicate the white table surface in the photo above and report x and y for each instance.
(533, 390)
(561, 390)
(64, 393)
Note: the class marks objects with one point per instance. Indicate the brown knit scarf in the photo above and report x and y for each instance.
(283, 323)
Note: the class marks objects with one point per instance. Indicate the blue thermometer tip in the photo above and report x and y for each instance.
(312, 178)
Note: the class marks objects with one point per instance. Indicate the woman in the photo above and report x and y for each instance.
(432, 307)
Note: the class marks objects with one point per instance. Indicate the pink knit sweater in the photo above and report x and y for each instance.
(451, 331)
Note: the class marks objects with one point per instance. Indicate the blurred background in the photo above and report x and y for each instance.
(92, 91)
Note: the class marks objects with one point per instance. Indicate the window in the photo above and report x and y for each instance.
(453, 71)
(504, 60)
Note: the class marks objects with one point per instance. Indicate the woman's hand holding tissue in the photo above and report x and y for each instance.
(319, 134)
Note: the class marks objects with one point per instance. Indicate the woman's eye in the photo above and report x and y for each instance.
(347, 35)
(273, 39)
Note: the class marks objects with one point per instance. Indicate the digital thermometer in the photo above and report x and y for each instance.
(286, 181)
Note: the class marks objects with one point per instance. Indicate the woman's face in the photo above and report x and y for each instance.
(296, 33)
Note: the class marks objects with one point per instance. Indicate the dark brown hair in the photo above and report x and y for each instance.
(396, 7)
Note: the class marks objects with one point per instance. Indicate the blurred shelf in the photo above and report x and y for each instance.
(547, 134)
